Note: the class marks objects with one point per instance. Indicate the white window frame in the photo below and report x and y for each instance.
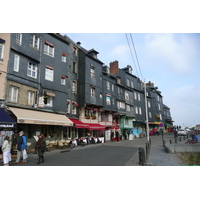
(135, 95)
(32, 70)
(68, 106)
(140, 110)
(49, 73)
(132, 84)
(126, 95)
(73, 109)
(63, 81)
(158, 106)
(108, 100)
(108, 85)
(35, 42)
(16, 63)
(92, 72)
(149, 104)
(49, 101)
(113, 88)
(150, 115)
(19, 39)
(74, 87)
(74, 68)
(13, 94)
(138, 96)
(160, 116)
(49, 49)
(128, 109)
(31, 97)
(128, 82)
(1, 50)
(136, 109)
(63, 58)
(93, 92)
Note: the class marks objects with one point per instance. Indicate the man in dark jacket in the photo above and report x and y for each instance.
(21, 148)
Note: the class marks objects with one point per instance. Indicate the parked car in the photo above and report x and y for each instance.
(182, 132)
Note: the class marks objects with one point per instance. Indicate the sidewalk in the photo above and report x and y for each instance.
(158, 156)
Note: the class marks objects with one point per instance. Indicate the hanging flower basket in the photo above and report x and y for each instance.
(87, 117)
(94, 117)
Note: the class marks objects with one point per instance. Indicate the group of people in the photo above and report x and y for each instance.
(6, 149)
(117, 136)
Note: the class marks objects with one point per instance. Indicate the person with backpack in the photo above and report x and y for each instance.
(21, 148)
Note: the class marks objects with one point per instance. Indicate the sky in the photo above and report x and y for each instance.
(170, 60)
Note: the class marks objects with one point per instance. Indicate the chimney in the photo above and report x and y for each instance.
(114, 67)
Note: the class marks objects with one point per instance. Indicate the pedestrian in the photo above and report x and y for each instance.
(112, 136)
(21, 148)
(117, 135)
(41, 146)
(1, 149)
(6, 148)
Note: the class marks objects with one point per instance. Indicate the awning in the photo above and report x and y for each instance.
(6, 121)
(79, 124)
(25, 116)
(95, 126)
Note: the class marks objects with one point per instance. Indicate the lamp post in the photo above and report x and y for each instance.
(147, 120)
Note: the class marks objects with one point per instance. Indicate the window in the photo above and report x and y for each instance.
(128, 108)
(74, 67)
(74, 51)
(107, 100)
(150, 115)
(126, 96)
(32, 70)
(31, 97)
(101, 96)
(160, 117)
(113, 87)
(132, 84)
(92, 92)
(64, 57)
(149, 104)
(158, 106)
(49, 101)
(49, 49)
(73, 108)
(63, 81)
(158, 98)
(140, 110)
(74, 87)
(92, 72)
(138, 96)
(13, 94)
(135, 95)
(49, 73)
(68, 106)
(16, 62)
(1, 49)
(19, 39)
(35, 41)
(108, 85)
(113, 101)
(136, 109)
(128, 82)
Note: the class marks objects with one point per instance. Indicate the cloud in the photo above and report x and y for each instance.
(175, 51)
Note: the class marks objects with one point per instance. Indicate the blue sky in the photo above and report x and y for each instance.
(170, 61)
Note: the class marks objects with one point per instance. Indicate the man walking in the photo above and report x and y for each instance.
(21, 148)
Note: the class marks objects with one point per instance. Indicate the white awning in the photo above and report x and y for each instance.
(26, 116)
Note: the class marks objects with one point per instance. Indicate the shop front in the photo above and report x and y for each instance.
(7, 126)
(35, 122)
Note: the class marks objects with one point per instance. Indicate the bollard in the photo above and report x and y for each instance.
(170, 141)
(141, 156)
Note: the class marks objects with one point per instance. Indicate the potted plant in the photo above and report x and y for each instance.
(94, 117)
(87, 117)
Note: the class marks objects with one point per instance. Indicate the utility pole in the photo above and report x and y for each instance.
(147, 120)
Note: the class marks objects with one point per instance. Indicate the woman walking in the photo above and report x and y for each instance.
(41, 146)
(6, 148)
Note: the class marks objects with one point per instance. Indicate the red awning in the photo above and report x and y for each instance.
(79, 124)
(95, 127)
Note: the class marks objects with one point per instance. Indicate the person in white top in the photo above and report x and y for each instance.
(6, 148)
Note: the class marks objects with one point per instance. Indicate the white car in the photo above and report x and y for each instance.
(182, 132)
